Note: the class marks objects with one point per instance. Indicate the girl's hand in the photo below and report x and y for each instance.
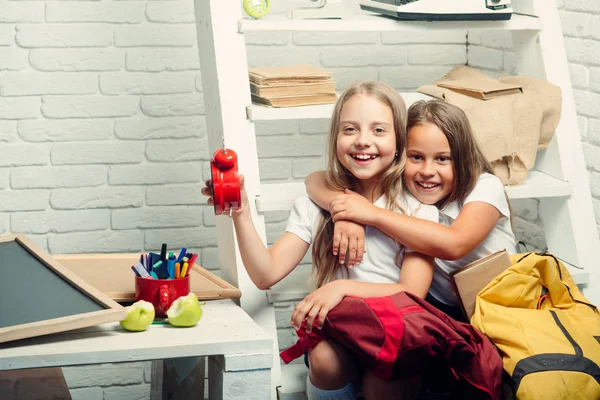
(208, 191)
(349, 242)
(353, 207)
(318, 304)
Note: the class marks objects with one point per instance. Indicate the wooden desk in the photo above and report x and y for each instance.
(240, 352)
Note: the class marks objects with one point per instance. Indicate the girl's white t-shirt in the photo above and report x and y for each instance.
(489, 189)
(382, 261)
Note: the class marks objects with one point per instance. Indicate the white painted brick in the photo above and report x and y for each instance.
(575, 23)
(173, 105)
(411, 77)
(44, 130)
(4, 174)
(267, 38)
(596, 204)
(13, 59)
(588, 103)
(274, 169)
(283, 314)
(157, 173)
(437, 54)
(157, 217)
(40, 240)
(24, 200)
(259, 56)
(595, 27)
(344, 77)
(510, 65)
(285, 338)
(77, 59)
(60, 221)
(20, 107)
(199, 82)
(525, 208)
(275, 231)
(582, 123)
(8, 131)
(21, 11)
(276, 216)
(275, 128)
(302, 167)
(530, 233)
(89, 106)
(7, 35)
(582, 51)
(112, 83)
(582, 5)
(170, 195)
(105, 197)
(592, 156)
(580, 76)
(4, 222)
(103, 375)
(424, 37)
(108, 152)
(595, 79)
(162, 59)
(181, 237)
(594, 131)
(88, 393)
(334, 38)
(159, 128)
(314, 127)
(297, 146)
(155, 35)
(210, 259)
(208, 216)
(57, 177)
(64, 35)
(112, 12)
(495, 39)
(148, 371)
(595, 183)
(170, 11)
(206, 172)
(483, 57)
(363, 56)
(18, 154)
(39, 83)
(180, 150)
(96, 242)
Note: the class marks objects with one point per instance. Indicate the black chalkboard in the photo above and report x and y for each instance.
(39, 296)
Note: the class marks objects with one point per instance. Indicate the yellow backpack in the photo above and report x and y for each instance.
(548, 333)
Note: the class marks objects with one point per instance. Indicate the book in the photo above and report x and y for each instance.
(483, 89)
(300, 73)
(470, 280)
(292, 101)
(286, 89)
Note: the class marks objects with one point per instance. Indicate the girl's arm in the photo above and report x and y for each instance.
(415, 277)
(474, 222)
(265, 267)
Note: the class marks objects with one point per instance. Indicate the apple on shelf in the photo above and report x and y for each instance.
(139, 316)
(185, 311)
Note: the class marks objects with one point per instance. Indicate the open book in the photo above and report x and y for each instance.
(484, 89)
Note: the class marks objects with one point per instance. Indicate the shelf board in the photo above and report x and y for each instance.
(367, 22)
(257, 112)
(281, 196)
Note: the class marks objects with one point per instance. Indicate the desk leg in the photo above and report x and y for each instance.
(178, 378)
(239, 377)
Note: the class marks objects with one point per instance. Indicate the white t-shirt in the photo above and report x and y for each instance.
(381, 263)
(489, 189)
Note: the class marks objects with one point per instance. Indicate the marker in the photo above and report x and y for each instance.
(163, 252)
(177, 271)
(140, 270)
(191, 263)
(181, 254)
(135, 271)
(171, 267)
(184, 270)
(153, 275)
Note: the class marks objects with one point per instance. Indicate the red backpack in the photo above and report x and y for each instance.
(401, 336)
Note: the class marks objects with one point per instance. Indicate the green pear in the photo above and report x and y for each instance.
(185, 311)
(139, 316)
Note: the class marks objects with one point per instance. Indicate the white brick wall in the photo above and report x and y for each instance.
(103, 137)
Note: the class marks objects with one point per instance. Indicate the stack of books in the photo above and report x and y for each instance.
(290, 86)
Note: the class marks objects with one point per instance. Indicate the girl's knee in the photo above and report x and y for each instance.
(328, 363)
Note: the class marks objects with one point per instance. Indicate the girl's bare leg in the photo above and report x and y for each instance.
(374, 388)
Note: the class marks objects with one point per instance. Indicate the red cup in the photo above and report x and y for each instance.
(161, 292)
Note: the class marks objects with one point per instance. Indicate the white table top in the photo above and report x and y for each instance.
(223, 330)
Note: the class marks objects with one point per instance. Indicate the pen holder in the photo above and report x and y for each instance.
(161, 292)
(225, 181)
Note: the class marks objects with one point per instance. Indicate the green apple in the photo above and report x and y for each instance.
(139, 316)
(185, 311)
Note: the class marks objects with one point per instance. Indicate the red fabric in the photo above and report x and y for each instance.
(401, 336)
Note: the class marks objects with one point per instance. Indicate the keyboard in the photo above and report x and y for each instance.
(441, 10)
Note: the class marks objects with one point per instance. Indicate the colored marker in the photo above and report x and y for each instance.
(171, 267)
(177, 271)
(163, 252)
(191, 263)
(140, 270)
(181, 254)
(184, 270)
(153, 275)
(135, 271)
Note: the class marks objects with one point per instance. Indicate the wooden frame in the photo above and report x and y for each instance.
(95, 268)
(112, 311)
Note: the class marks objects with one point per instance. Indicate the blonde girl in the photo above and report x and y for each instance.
(366, 147)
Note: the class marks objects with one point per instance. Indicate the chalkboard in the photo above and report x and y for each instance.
(39, 296)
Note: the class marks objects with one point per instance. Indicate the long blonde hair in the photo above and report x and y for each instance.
(467, 157)
(325, 264)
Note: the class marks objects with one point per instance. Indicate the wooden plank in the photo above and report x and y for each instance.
(366, 22)
(111, 274)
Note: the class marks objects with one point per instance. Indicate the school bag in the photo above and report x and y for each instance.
(547, 332)
(402, 336)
